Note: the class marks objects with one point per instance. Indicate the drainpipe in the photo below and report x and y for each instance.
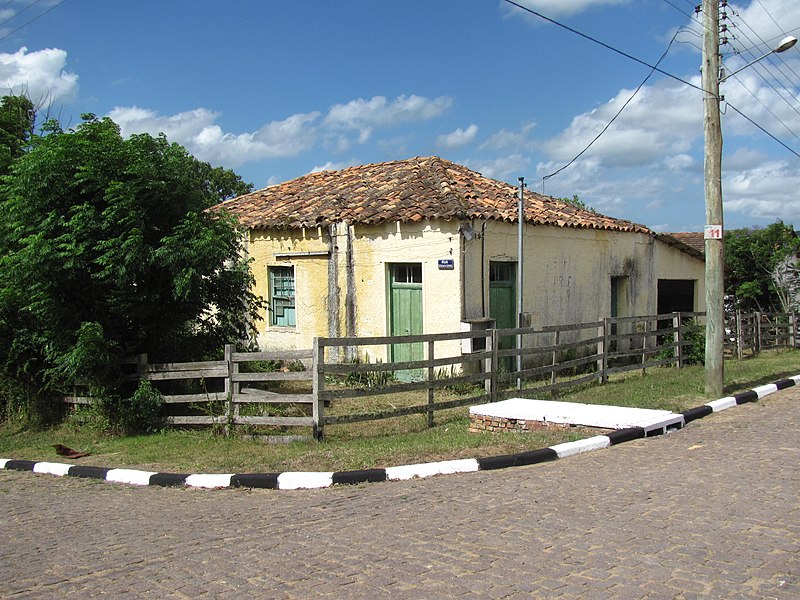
(333, 282)
(483, 270)
(350, 293)
(462, 252)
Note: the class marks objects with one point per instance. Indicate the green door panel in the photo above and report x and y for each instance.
(405, 316)
(503, 304)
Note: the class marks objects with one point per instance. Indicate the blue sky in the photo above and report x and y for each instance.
(275, 90)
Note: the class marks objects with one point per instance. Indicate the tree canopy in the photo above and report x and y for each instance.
(17, 117)
(760, 267)
(107, 250)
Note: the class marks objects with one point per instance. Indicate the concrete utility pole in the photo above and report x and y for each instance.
(712, 130)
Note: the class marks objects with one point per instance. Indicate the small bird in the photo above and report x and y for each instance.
(69, 452)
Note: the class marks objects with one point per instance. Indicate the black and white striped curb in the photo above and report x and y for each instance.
(307, 480)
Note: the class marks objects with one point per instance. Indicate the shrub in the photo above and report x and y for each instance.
(141, 413)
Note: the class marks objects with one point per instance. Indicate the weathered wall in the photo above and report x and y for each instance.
(567, 272)
(346, 293)
(567, 276)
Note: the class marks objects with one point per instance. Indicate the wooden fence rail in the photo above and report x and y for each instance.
(553, 358)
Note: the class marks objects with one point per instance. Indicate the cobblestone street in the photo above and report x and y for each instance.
(711, 511)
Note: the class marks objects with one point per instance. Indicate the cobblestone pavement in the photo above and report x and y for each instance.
(712, 511)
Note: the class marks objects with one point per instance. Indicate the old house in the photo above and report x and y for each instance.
(425, 246)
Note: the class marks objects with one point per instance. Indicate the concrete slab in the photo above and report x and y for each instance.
(573, 413)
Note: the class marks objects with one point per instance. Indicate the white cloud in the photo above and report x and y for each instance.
(505, 139)
(364, 116)
(41, 75)
(661, 121)
(458, 138)
(761, 16)
(767, 191)
(679, 162)
(333, 166)
(502, 168)
(198, 132)
(558, 8)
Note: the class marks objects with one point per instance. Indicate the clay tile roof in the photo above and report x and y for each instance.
(694, 240)
(405, 190)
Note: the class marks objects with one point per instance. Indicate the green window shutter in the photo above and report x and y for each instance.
(282, 296)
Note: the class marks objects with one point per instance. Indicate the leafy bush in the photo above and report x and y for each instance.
(141, 413)
(30, 407)
(694, 343)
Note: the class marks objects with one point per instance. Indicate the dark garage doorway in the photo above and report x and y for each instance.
(675, 295)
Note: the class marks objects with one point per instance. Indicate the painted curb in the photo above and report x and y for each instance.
(293, 480)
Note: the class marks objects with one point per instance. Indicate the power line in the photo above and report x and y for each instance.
(761, 128)
(16, 14)
(680, 10)
(40, 15)
(614, 118)
(603, 44)
(767, 108)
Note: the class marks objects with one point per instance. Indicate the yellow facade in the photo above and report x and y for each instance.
(342, 276)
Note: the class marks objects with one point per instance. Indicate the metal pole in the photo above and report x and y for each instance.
(520, 234)
(712, 130)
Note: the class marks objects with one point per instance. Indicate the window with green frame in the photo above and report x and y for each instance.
(281, 296)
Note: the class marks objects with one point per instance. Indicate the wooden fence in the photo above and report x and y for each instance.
(752, 332)
(550, 359)
(212, 393)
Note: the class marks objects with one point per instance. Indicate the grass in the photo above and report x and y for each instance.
(384, 443)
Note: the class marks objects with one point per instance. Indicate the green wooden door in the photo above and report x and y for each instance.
(503, 304)
(405, 315)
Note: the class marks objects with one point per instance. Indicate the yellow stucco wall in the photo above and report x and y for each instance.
(567, 276)
(373, 248)
(567, 272)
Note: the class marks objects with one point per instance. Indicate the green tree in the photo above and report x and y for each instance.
(17, 118)
(756, 276)
(107, 250)
(577, 203)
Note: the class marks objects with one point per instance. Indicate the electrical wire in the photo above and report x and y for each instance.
(736, 19)
(763, 71)
(767, 108)
(603, 44)
(761, 128)
(40, 15)
(614, 118)
(685, 14)
(16, 14)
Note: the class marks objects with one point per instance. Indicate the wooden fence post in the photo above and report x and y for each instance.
(431, 377)
(793, 330)
(491, 366)
(645, 329)
(602, 349)
(677, 338)
(555, 359)
(317, 386)
(739, 335)
(141, 367)
(758, 331)
(229, 389)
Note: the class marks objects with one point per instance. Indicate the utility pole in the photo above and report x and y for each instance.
(712, 130)
(520, 278)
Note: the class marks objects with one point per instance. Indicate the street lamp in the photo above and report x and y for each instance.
(713, 233)
(786, 43)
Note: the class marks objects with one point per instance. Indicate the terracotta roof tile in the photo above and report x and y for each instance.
(405, 190)
(692, 239)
